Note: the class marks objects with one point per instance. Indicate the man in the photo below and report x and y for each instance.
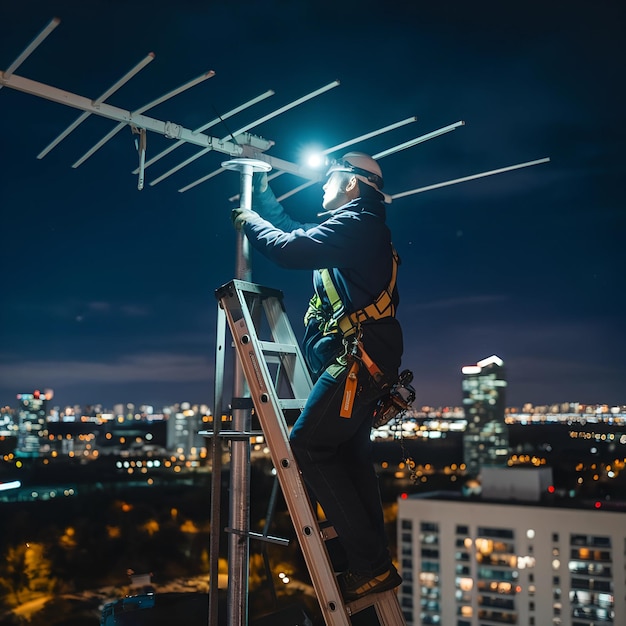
(352, 345)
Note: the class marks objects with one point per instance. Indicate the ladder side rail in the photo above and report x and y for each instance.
(271, 508)
(268, 410)
(216, 469)
(388, 609)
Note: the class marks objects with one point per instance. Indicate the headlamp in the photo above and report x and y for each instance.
(341, 165)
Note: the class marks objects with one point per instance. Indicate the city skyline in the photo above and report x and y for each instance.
(147, 402)
(108, 291)
(151, 410)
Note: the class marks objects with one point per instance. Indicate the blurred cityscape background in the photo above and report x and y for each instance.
(95, 498)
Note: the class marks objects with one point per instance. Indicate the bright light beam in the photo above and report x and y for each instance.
(351, 142)
(381, 155)
(315, 160)
(466, 178)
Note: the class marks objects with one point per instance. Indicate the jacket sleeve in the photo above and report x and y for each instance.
(337, 242)
(267, 206)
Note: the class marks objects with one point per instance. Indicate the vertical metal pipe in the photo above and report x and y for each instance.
(243, 269)
(239, 542)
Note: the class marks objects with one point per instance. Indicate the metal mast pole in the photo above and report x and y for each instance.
(238, 541)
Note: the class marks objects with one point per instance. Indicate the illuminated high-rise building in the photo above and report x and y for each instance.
(183, 427)
(485, 563)
(31, 422)
(486, 440)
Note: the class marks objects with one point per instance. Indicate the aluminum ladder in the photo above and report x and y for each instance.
(279, 381)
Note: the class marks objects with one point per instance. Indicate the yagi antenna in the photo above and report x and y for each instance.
(140, 110)
(217, 120)
(238, 144)
(247, 154)
(83, 116)
(244, 129)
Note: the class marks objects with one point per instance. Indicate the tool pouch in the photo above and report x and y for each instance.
(350, 389)
(398, 400)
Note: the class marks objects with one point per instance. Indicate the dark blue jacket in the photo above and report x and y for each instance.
(355, 244)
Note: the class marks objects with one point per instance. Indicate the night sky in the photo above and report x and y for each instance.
(108, 292)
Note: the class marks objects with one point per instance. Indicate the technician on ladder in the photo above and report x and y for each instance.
(353, 347)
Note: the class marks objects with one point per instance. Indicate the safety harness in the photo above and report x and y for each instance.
(349, 325)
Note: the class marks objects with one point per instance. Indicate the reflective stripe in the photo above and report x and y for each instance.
(314, 309)
(331, 292)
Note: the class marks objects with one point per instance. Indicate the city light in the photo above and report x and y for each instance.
(146, 449)
(14, 484)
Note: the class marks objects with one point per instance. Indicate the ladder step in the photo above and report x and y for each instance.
(232, 434)
(292, 403)
(281, 348)
(281, 541)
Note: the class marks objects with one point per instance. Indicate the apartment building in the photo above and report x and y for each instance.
(479, 562)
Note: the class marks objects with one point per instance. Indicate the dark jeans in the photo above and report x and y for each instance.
(334, 456)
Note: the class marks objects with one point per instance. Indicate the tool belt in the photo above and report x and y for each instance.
(397, 396)
(359, 356)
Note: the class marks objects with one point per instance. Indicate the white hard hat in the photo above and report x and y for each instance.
(363, 166)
